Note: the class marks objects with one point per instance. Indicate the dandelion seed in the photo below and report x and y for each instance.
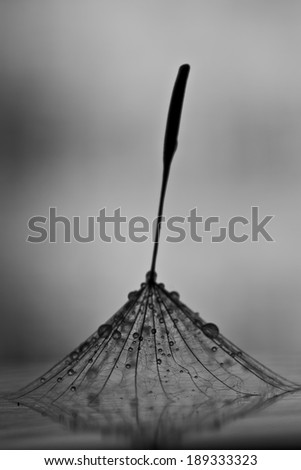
(98, 402)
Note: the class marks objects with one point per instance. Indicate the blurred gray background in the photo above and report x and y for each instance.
(84, 93)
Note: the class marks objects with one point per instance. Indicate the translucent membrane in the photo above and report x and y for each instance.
(155, 366)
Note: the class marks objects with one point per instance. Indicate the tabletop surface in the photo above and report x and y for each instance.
(275, 426)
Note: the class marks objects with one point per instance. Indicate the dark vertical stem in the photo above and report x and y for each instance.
(159, 220)
(170, 147)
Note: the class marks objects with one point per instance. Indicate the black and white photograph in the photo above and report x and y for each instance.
(150, 181)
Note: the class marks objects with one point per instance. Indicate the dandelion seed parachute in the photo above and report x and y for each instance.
(165, 360)
(155, 366)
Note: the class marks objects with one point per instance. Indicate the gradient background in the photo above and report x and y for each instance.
(84, 92)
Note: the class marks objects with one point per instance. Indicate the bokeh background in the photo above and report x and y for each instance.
(84, 92)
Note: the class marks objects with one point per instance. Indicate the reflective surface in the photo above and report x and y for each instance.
(275, 425)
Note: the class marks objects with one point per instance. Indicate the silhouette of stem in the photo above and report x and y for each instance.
(170, 147)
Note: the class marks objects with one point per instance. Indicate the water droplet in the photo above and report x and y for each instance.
(116, 335)
(154, 331)
(181, 372)
(210, 330)
(239, 354)
(130, 349)
(42, 380)
(159, 361)
(161, 320)
(160, 350)
(171, 343)
(136, 335)
(142, 285)
(151, 306)
(128, 366)
(74, 355)
(168, 355)
(214, 349)
(140, 338)
(73, 389)
(104, 331)
(175, 295)
(83, 347)
(90, 361)
(151, 276)
(71, 372)
(59, 379)
(161, 285)
(176, 320)
(132, 295)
